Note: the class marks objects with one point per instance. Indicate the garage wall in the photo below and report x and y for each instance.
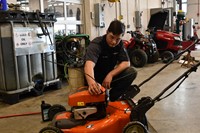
(111, 12)
(12, 1)
(128, 8)
(194, 12)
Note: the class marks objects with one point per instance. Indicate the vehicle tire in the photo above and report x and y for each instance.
(53, 110)
(138, 58)
(50, 129)
(134, 127)
(167, 56)
(154, 58)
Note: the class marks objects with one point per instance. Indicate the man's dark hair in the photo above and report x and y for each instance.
(116, 27)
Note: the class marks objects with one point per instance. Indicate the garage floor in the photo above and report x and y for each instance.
(178, 113)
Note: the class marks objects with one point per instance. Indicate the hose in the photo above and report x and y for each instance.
(23, 114)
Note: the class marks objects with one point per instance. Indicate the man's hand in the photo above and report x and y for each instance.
(95, 89)
(107, 81)
(118, 69)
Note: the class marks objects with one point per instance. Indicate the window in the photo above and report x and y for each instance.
(184, 6)
(69, 15)
(74, 17)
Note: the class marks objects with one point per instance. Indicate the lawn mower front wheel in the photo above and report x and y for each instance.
(50, 129)
(53, 110)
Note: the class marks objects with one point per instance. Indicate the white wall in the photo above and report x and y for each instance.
(112, 11)
(193, 9)
(12, 1)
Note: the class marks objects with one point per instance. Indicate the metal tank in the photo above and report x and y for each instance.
(188, 30)
(27, 53)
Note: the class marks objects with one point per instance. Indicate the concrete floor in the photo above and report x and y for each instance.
(178, 113)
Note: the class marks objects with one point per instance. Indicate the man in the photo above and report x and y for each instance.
(107, 63)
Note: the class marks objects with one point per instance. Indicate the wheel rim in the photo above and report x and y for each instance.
(135, 129)
(137, 59)
(49, 131)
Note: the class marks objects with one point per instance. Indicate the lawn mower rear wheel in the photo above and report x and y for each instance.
(134, 127)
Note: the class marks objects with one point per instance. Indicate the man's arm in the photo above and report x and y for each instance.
(118, 69)
(94, 87)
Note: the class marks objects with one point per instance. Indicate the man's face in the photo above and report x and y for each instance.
(113, 40)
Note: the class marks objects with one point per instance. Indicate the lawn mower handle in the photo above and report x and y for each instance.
(185, 74)
(145, 103)
(178, 55)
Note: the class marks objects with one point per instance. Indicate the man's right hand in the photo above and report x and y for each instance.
(95, 89)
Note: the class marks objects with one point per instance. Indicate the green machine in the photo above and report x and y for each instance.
(70, 51)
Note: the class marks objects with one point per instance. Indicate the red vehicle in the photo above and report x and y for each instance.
(169, 44)
(141, 49)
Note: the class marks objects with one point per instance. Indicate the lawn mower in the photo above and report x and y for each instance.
(92, 114)
(141, 49)
(169, 44)
(96, 114)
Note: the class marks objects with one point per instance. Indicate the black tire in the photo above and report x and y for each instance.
(138, 58)
(50, 129)
(53, 110)
(154, 58)
(167, 56)
(134, 127)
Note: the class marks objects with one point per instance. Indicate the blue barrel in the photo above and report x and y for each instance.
(3, 5)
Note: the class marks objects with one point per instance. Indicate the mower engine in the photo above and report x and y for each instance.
(87, 106)
(82, 113)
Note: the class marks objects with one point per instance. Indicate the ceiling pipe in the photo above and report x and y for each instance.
(138, 15)
(180, 4)
(137, 5)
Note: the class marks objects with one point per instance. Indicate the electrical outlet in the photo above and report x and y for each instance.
(92, 15)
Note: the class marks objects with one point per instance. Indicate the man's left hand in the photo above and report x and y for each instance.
(107, 81)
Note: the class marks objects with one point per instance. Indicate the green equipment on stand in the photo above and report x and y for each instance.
(71, 50)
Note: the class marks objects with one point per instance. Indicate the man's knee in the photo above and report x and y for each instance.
(132, 72)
